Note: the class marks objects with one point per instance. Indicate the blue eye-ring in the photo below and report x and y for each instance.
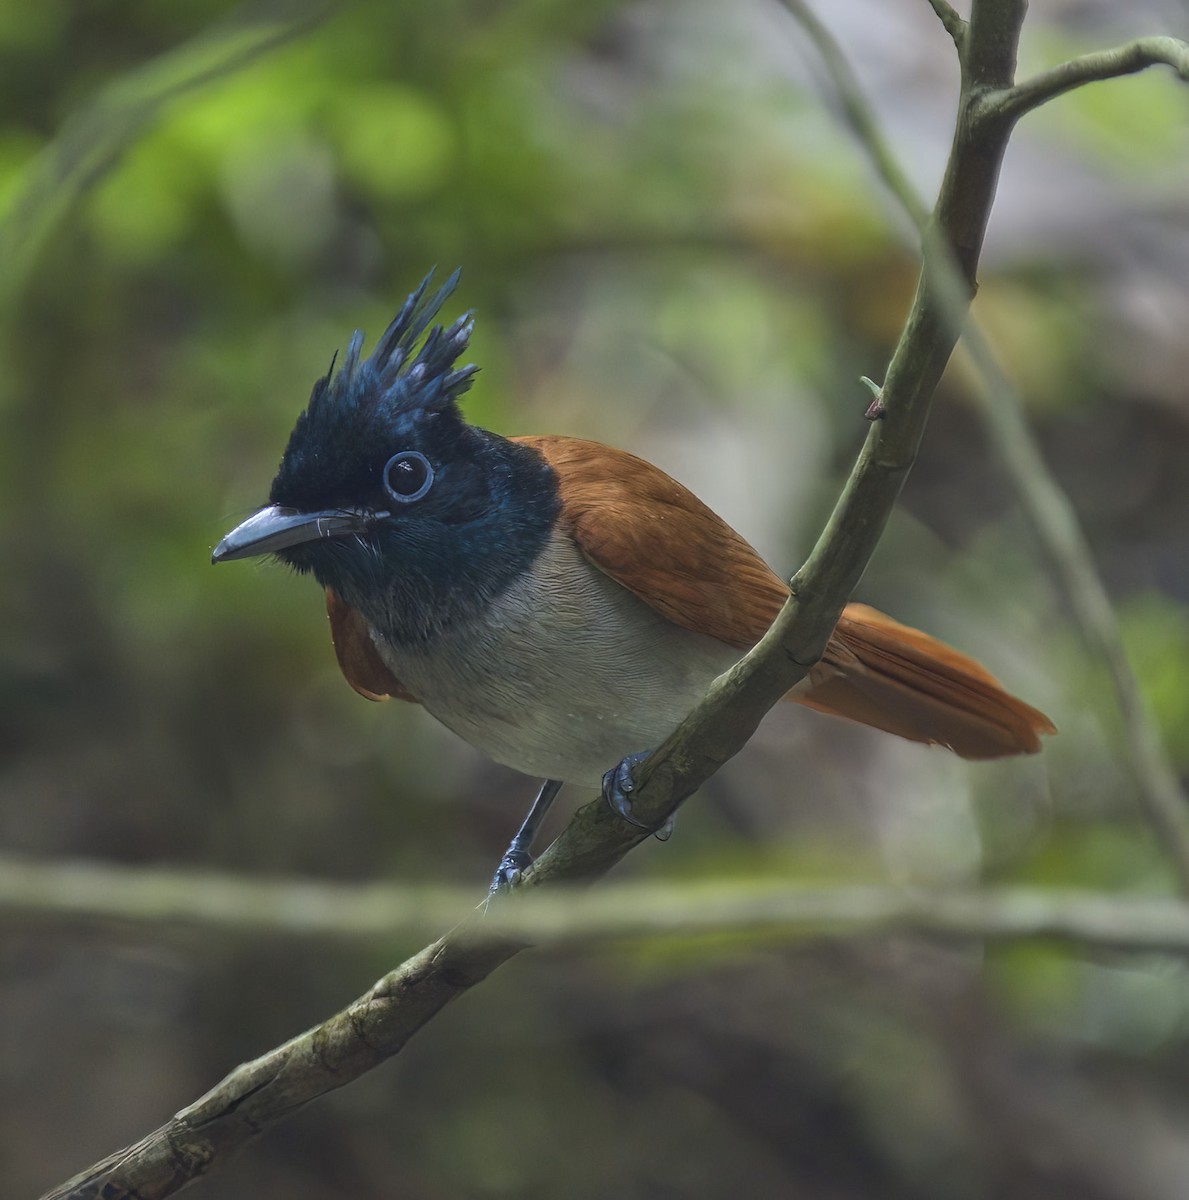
(407, 476)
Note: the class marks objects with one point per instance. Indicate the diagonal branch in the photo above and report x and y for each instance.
(1046, 506)
(728, 716)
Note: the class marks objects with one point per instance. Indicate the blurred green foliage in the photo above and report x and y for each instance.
(670, 245)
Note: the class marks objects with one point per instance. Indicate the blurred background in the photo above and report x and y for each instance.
(671, 245)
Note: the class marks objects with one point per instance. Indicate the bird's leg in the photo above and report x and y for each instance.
(618, 786)
(517, 857)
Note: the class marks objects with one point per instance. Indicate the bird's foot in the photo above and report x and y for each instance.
(618, 786)
(517, 858)
(514, 864)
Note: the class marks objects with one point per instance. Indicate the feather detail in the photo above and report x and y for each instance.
(359, 660)
(895, 678)
(655, 538)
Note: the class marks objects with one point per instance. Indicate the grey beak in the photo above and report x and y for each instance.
(273, 528)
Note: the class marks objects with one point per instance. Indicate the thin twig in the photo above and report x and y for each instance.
(955, 26)
(1052, 517)
(1015, 101)
(1055, 525)
(861, 117)
(857, 112)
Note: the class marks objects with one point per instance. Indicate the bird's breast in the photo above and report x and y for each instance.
(564, 674)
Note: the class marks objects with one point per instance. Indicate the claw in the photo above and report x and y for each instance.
(617, 788)
(512, 866)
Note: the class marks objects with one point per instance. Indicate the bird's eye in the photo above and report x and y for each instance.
(407, 476)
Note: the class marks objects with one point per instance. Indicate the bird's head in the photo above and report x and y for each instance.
(389, 497)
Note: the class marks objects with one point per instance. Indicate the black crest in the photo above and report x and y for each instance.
(353, 415)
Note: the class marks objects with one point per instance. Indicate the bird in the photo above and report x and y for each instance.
(560, 604)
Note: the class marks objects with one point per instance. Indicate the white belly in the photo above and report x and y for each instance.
(568, 673)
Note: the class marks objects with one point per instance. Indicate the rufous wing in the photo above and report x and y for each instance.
(655, 538)
(359, 660)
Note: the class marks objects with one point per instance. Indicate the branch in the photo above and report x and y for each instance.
(1053, 519)
(308, 908)
(858, 113)
(81, 891)
(723, 722)
(380, 1022)
(1012, 103)
(954, 25)
(262, 1092)
(1055, 525)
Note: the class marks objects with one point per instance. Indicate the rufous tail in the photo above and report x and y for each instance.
(895, 678)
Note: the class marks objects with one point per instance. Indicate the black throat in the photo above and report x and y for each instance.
(442, 564)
